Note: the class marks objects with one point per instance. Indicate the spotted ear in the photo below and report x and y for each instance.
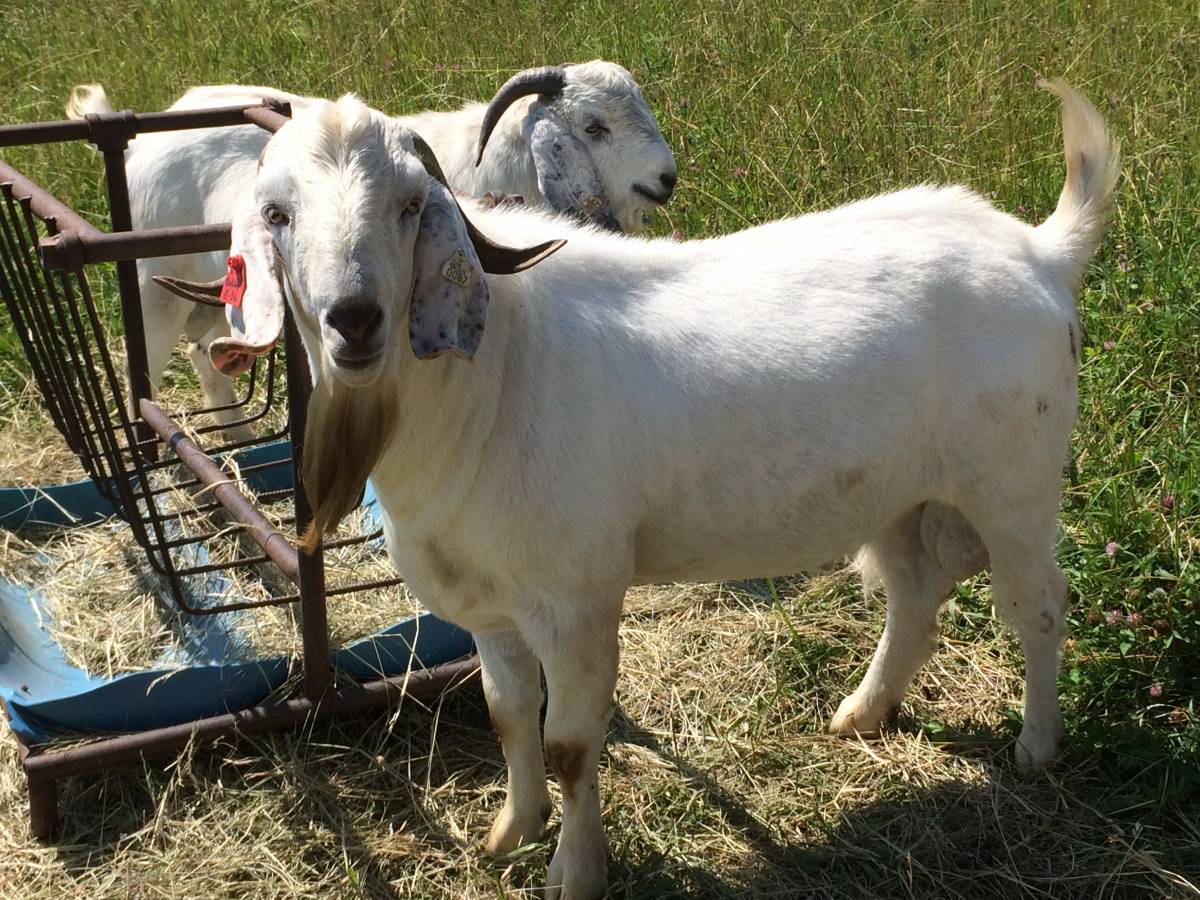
(565, 174)
(252, 294)
(449, 296)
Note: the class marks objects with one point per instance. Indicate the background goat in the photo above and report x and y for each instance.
(645, 411)
(580, 139)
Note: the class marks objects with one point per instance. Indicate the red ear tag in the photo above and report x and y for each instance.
(234, 287)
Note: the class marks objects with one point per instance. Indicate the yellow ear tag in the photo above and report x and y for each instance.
(456, 269)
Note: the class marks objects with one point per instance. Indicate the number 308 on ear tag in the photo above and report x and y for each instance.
(456, 269)
(234, 286)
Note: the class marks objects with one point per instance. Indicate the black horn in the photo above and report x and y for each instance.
(547, 81)
(206, 292)
(496, 259)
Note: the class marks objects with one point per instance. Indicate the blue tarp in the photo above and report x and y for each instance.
(46, 696)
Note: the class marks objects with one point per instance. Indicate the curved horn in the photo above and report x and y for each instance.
(547, 81)
(205, 292)
(496, 259)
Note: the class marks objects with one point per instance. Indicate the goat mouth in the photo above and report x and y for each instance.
(355, 363)
(656, 199)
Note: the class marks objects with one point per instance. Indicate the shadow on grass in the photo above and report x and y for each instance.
(1073, 832)
(1108, 820)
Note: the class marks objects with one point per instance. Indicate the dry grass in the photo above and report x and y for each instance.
(718, 782)
(32, 452)
(112, 614)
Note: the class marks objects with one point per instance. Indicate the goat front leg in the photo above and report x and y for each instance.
(577, 644)
(513, 690)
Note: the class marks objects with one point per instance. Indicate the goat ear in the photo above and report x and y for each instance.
(565, 174)
(449, 295)
(251, 292)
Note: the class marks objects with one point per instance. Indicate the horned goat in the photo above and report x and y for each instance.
(898, 375)
(580, 139)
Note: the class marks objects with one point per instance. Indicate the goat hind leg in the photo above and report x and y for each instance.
(916, 586)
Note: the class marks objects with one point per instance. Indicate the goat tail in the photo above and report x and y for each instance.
(1093, 165)
(87, 99)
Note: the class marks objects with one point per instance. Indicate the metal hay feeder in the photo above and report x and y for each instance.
(135, 464)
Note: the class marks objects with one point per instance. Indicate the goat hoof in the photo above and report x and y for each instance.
(576, 876)
(857, 716)
(1037, 748)
(513, 829)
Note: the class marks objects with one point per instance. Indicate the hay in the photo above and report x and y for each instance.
(33, 452)
(717, 779)
(111, 612)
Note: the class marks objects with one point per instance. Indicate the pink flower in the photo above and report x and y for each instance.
(1111, 548)
(1134, 619)
(1168, 502)
(1110, 345)
(1156, 690)
(1020, 210)
(739, 172)
(677, 234)
(1113, 617)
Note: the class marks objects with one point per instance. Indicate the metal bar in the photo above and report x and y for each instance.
(26, 318)
(130, 749)
(45, 205)
(274, 544)
(314, 629)
(269, 117)
(71, 250)
(127, 281)
(347, 589)
(139, 123)
(43, 807)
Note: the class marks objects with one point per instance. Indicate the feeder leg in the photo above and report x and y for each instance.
(43, 807)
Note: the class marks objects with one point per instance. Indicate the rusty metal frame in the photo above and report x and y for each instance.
(44, 247)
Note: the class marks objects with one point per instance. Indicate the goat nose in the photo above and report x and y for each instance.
(668, 180)
(354, 319)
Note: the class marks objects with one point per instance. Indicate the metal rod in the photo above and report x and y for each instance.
(127, 281)
(72, 250)
(269, 117)
(129, 749)
(314, 630)
(44, 204)
(138, 123)
(274, 544)
(43, 807)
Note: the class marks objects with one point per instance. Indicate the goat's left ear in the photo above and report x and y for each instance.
(565, 173)
(449, 295)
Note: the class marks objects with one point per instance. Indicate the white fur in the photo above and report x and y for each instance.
(201, 176)
(757, 404)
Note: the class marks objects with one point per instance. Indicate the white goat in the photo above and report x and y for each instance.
(898, 374)
(580, 139)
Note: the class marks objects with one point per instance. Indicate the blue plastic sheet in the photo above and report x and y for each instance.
(46, 696)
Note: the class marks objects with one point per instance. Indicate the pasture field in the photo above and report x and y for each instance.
(718, 780)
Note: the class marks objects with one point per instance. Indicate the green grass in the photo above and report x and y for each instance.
(775, 109)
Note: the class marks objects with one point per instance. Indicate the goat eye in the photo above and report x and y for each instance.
(595, 128)
(413, 207)
(274, 215)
